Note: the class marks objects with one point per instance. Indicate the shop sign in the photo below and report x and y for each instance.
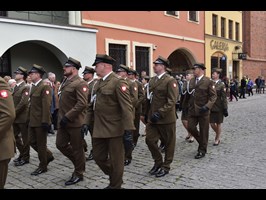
(218, 45)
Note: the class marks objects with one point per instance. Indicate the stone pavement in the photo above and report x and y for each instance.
(238, 162)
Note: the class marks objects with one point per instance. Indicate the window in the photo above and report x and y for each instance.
(142, 59)
(173, 13)
(118, 52)
(3, 13)
(5, 68)
(222, 27)
(237, 31)
(230, 29)
(214, 24)
(193, 16)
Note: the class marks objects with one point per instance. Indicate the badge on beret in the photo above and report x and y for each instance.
(47, 92)
(84, 89)
(3, 94)
(124, 88)
(26, 93)
(174, 85)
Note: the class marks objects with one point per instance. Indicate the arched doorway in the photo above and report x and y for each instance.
(33, 52)
(180, 61)
(219, 60)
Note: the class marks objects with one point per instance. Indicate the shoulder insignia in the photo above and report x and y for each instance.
(123, 88)
(3, 94)
(26, 93)
(213, 86)
(47, 92)
(174, 84)
(135, 88)
(84, 89)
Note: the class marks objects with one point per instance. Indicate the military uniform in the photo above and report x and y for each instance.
(199, 104)
(40, 119)
(7, 140)
(112, 110)
(21, 101)
(161, 118)
(73, 101)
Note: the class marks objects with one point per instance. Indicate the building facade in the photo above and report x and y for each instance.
(254, 37)
(137, 38)
(46, 38)
(223, 42)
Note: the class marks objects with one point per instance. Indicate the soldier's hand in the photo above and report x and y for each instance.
(225, 112)
(84, 130)
(155, 117)
(45, 126)
(203, 109)
(64, 122)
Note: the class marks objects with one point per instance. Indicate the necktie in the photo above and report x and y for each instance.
(197, 80)
(156, 78)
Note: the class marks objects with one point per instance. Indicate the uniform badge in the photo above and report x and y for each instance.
(84, 89)
(135, 88)
(3, 94)
(213, 87)
(124, 88)
(26, 93)
(174, 85)
(47, 92)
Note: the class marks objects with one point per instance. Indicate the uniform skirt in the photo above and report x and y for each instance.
(216, 117)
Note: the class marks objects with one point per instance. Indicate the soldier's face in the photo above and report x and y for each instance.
(34, 77)
(99, 69)
(158, 68)
(68, 71)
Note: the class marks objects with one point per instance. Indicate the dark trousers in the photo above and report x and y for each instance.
(108, 154)
(69, 142)
(166, 132)
(3, 172)
(38, 141)
(201, 135)
(23, 142)
(136, 132)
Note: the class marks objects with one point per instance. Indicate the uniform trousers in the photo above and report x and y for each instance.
(136, 124)
(38, 141)
(201, 135)
(23, 141)
(108, 154)
(69, 142)
(166, 132)
(3, 172)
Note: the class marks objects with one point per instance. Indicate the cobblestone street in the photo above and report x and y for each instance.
(238, 162)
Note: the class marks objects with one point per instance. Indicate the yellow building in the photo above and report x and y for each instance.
(223, 42)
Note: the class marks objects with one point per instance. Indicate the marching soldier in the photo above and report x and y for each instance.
(7, 140)
(73, 101)
(112, 110)
(199, 105)
(21, 101)
(40, 118)
(88, 75)
(219, 110)
(161, 117)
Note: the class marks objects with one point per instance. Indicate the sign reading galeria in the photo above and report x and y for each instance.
(218, 45)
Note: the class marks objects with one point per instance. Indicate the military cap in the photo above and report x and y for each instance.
(190, 71)
(21, 70)
(146, 78)
(123, 68)
(132, 71)
(37, 69)
(103, 58)
(88, 70)
(72, 62)
(199, 65)
(162, 60)
(218, 70)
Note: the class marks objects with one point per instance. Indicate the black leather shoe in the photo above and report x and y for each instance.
(17, 160)
(199, 155)
(90, 157)
(154, 170)
(73, 180)
(21, 162)
(161, 173)
(127, 162)
(38, 171)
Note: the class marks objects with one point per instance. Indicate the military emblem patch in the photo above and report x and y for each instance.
(124, 88)
(135, 88)
(26, 93)
(3, 94)
(84, 89)
(174, 85)
(47, 92)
